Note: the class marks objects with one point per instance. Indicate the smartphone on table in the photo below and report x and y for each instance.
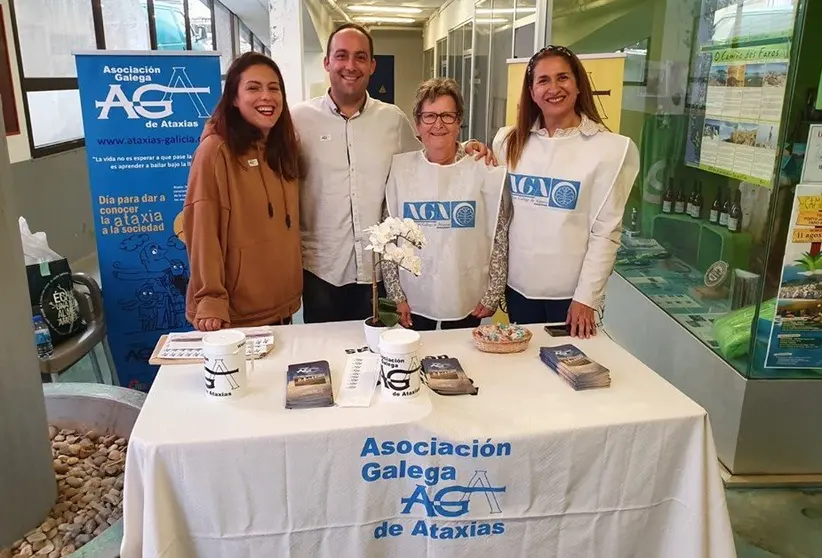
(559, 329)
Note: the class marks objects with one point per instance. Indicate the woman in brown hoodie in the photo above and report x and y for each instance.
(240, 218)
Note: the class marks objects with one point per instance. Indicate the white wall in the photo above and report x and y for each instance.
(406, 47)
(316, 78)
(18, 144)
(452, 15)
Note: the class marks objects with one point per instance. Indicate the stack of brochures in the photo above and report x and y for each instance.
(573, 366)
(445, 376)
(309, 386)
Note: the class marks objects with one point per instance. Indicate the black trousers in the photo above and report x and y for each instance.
(324, 302)
(523, 310)
(419, 323)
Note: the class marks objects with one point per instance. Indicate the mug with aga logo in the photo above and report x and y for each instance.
(400, 372)
(224, 364)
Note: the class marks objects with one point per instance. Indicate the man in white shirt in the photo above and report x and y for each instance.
(348, 140)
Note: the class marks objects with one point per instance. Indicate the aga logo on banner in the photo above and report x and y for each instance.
(159, 103)
(437, 493)
(442, 214)
(543, 191)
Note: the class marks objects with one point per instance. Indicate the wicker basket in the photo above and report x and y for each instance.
(504, 346)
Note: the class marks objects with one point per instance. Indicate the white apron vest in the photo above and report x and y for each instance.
(558, 189)
(457, 207)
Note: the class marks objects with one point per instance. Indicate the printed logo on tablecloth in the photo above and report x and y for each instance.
(543, 191)
(461, 490)
(442, 214)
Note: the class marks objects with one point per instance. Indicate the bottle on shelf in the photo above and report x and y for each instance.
(735, 214)
(696, 203)
(689, 203)
(723, 213)
(716, 209)
(42, 337)
(634, 221)
(679, 202)
(668, 197)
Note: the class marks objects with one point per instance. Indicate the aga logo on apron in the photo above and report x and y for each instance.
(544, 191)
(442, 214)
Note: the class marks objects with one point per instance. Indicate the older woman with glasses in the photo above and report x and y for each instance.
(569, 178)
(458, 203)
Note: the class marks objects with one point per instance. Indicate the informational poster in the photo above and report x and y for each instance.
(796, 334)
(743, 108)
(143, 114)
(737, 87)
(812, 166)
(606, 73)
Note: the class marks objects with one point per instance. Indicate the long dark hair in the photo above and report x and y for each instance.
(529, 111)
(281, 149)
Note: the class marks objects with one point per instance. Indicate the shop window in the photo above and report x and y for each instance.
(225, 43)
(48, 75)
(200, 23)
(636, 63)
(245, 39)
(171, 25)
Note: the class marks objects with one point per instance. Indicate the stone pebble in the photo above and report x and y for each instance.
(89, 469)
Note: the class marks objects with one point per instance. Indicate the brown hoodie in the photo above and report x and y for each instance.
(246, 267)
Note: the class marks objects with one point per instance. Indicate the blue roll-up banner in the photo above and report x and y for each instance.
(143, 114)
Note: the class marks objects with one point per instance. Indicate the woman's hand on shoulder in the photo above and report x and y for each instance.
(209, 324)
(480, 151)
(582, 320)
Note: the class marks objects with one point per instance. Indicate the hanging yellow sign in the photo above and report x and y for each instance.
(605, 71)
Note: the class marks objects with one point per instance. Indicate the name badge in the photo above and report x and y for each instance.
(253, 163)
(325, 137)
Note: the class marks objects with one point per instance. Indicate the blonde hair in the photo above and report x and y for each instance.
(433, 89)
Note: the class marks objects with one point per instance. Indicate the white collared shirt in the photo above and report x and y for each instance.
(347, 161)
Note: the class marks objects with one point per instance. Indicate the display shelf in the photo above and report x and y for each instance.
(700, 243)
(672, 285)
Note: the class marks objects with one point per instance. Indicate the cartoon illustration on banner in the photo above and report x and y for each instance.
(143, 114)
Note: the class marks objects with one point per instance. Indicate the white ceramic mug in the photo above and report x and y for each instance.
(400, 372)
(224, 363)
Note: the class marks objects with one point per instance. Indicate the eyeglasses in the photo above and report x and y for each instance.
(550, 49)
(446, 117)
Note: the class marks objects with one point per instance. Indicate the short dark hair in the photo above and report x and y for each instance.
(357, 27)
(281, 149)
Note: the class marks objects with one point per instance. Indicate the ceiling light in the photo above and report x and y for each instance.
(364, 8)
(379, 19)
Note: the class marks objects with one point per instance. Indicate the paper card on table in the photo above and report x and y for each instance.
(185, 347)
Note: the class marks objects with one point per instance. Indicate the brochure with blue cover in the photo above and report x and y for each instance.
(574, 366)
(309, 385)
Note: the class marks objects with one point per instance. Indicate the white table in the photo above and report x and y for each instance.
(629, 471)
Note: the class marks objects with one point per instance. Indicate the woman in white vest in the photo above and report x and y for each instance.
(569, 179)
(457, 201)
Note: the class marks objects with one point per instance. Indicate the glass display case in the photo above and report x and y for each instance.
(719, 101)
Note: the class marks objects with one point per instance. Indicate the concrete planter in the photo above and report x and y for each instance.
(104, 408)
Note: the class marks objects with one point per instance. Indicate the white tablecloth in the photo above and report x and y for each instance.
(527, 468)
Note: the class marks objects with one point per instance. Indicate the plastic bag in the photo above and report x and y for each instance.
(733, 330)
(36, 246)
